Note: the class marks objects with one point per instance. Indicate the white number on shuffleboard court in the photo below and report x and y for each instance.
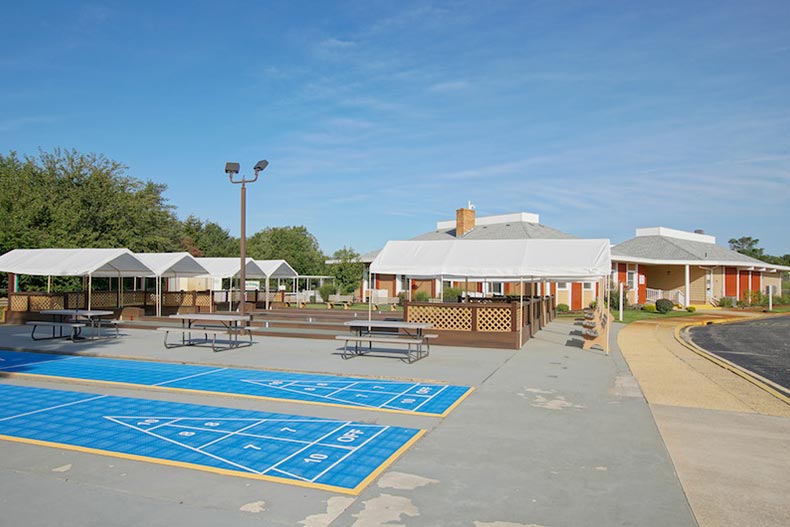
(186, 434)
(408, 401)
(315, 458)
(286, 429)
(148, 422)
(423, 391)
(252, 447)
(212, 424)
(350, 436)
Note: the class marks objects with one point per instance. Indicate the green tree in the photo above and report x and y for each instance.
(293, 244)
(69, 199)
(207, 239)
(347, 269)
(748, 246)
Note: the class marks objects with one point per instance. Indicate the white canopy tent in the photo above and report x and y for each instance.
(230, 268)
(499, 260)
(562, 260)
(74, 262)
(170, 265)
(276, 269)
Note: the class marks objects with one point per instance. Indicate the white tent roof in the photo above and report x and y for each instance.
(540, 259)
(230, 268)
(277, 268)
(171, 264)
(73, 262)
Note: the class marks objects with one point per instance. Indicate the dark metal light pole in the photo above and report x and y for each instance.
(232, 169)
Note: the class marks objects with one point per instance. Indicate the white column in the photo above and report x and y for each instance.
(688, 292)
(737, 284)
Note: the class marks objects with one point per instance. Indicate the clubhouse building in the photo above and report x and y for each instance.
(659, 262)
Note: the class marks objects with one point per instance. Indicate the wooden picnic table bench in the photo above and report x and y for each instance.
(344, 300)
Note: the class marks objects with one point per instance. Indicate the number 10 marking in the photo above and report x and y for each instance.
(315, 458)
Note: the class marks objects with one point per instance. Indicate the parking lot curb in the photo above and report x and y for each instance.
(778, 391)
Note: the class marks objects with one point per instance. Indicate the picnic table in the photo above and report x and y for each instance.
(209, 324)
(75, 320)
(371, 332)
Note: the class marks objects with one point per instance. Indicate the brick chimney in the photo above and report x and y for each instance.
(464, 221)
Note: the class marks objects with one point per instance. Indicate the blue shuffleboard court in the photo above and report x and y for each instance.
(393, 396)
(340, 456)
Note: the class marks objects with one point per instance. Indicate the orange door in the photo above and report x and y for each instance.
(641, 287)
(755, 281)
(744, 283)
(730, 281)
(576, 296)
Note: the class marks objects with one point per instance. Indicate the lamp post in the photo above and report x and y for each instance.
(231, 169)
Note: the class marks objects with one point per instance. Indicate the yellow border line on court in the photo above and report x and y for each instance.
(78, 380)
(387, 462)
(224, 472)
(457, 402)
(754, 378)
(155, 360)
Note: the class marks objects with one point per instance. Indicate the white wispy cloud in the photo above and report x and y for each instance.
(448, 86)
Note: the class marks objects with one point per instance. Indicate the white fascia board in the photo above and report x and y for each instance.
(523, 217)
(674, 233)
(706, 263)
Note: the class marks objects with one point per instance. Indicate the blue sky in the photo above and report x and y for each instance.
(379, 118)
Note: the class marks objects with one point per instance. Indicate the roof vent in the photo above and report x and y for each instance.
(699, 231)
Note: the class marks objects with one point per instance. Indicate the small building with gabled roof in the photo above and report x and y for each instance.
(688, 268)
(468, 226)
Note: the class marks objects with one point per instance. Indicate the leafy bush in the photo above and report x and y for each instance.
(664, 306)
(636, 307)
(593, 304)
(651, 308)
(758, 298)
(403, 296)
(691, 309)
(727, 301)
(326, 290)
(421, 296)
(452, 294)
(614, 299)
(563, 308)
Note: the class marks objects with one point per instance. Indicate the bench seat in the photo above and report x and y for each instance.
(377, 339)
(76, 329)
(206, 331)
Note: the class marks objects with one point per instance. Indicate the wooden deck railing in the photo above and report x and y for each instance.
(485, 317)
(35, 302)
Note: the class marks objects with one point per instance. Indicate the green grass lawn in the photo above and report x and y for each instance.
(631, 315)
(357, 306)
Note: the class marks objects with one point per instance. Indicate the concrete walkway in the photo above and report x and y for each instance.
(729, 439)
(552, 436)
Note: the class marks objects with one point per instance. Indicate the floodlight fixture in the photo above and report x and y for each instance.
(260, 165)
(232, 169)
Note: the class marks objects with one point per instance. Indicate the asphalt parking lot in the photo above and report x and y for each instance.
(761, 346)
